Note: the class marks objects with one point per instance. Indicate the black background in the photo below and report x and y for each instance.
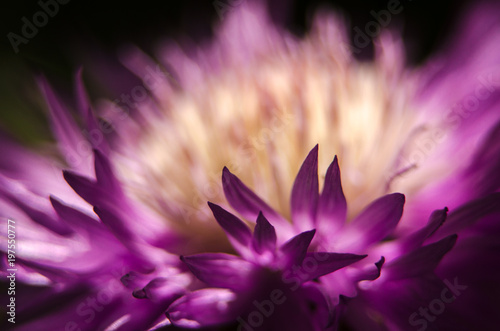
(64, 43)
(144, 22)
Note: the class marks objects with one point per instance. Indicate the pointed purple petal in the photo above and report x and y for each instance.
(422, 260)
(371, 272)
(468, 214)
(321, 263)
(244, 201)
(161, 288)
(483, 171)
(231, 224)
(85, 187)
(220, 270)
(104, 174)
(38, 216)
(93, 134)
(133, 279)
(116, 225)
(81, 93)
(71, 141)
(375, 222)
(305, 192)
(77, 218)
(332, 206)
(264, 236)
(294, 251)
(203, 308)
(417, 238)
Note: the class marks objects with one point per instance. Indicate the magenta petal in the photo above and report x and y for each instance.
(468, 214)
(405, 300)
(314, 295)
(85, 187)
(264, 236)
(305, 192)
(332, 205)
(420, 261)
(159, 289)
(134, 279)
(104, 173)
(206, 307)
(94, 135)
(40, 217)
(231, 224)
(77, 218)
(370, 273)
(375, 222)
(483, 171)
(417, 238)
(65, 129)
(295, 249)
(81, 94)
(220, 270)
(244, 201)
(318, 264)
(116, 225)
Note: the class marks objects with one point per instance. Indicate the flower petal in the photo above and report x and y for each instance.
(220, 270)
(162, 289)
(417, 238)
(370, 273)
(104, 174)
(38, 216)
(318, 264)
(305, 192)
(246, 202)
(483, 171)
(81, 93)
(72, 144)
(204, 307)
(94, 134)
(116, 225)
(77, 218)
(314, 295)
(420, 261)
(294, 251)
(332, 205)
(231, 224)
(406, 301)
(85, 187)
(264, 236)
(468, 214)
(374, 223)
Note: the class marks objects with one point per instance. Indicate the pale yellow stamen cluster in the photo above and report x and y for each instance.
(260, 120)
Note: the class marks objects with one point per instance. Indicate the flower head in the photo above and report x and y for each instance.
(104, 222)
(244, 281)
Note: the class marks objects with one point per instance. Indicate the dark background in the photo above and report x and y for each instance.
(80, 27)
(144, 22)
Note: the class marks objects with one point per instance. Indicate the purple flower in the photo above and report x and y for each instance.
(293, 272)
(101, 224)
(74, 260)
(240, 287)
